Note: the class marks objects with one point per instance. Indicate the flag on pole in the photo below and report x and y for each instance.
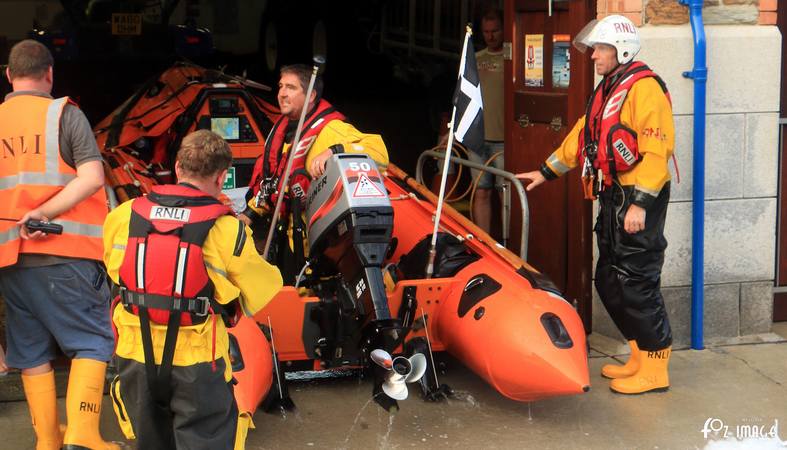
(469, 119)
(466, 126)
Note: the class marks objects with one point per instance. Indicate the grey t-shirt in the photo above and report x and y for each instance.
(77, 146)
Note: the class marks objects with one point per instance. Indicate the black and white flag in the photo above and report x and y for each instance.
(469, 116)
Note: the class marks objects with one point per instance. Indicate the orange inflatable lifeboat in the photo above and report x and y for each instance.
(363, 300)
(485, 306)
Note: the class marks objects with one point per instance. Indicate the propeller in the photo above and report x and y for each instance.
(401, 371)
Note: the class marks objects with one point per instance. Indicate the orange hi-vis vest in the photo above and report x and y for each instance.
(32, 172)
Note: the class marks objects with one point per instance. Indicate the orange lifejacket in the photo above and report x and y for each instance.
(32, 172)
(607, 144)
(269, 168)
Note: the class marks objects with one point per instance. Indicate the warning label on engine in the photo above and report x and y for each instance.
(366, 188)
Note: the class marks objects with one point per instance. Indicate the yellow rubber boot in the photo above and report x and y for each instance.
(42, 401)
(652, 375)
(625, 370)
(244, 424)
(83, 406)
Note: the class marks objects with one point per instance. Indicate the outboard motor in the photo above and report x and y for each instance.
(350, 222)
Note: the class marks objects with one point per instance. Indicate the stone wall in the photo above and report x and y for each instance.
(741, 161)
(670, 12)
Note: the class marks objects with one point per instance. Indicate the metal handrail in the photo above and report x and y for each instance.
(497, 172)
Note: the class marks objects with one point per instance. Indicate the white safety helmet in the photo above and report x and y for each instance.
(615, 30)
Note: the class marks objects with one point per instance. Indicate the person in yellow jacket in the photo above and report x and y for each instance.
(54, 286)
(623, 145)
(185, 266)
(325, 133)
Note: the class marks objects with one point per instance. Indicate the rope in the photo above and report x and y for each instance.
(455, 150)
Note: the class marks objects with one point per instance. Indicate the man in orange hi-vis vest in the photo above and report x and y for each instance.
(54, 286)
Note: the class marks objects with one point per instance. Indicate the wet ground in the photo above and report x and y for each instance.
(731, 388)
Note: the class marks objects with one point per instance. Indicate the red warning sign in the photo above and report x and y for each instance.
(366, 188)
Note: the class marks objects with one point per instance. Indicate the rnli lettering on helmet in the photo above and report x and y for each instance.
(624, 152)
(622, 27)
(169, 213)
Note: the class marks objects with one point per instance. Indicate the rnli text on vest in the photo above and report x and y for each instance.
(624, 152)
(169, 213)
(13, 146)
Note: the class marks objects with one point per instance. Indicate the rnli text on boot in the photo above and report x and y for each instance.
(90, 407)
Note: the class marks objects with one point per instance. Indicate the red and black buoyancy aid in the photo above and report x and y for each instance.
(163, 278)
(269, 168)
(606, 144)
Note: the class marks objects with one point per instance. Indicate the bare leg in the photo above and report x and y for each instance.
(3, 367)
(482, 208)
(38, 370)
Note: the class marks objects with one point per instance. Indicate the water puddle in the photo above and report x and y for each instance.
(346, 443)
(294, 415)
(384, 441)
(463, 397)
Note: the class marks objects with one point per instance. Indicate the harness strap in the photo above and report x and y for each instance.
(198, 306)
(159, 379)
(168, 354)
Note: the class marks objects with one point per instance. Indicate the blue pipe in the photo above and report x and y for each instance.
(700, 76)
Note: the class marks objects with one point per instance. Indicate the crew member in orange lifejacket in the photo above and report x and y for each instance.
(623, 144)
(324, 133)
(54, 287)
(186, 270)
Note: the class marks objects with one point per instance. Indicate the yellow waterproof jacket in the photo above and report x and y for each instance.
(648, 112)
(340, 132)
(246, 277)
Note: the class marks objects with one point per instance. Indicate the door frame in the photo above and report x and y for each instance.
(579, 246)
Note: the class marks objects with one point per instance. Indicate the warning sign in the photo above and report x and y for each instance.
(366, 188)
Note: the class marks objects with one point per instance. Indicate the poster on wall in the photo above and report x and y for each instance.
(561, 61)
(534, 60)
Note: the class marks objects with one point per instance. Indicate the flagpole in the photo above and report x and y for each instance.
(444, 178)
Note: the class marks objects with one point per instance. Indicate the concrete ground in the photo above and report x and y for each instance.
(725, 389)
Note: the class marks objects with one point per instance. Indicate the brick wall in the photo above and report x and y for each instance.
(767, 12)
(670, 12)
